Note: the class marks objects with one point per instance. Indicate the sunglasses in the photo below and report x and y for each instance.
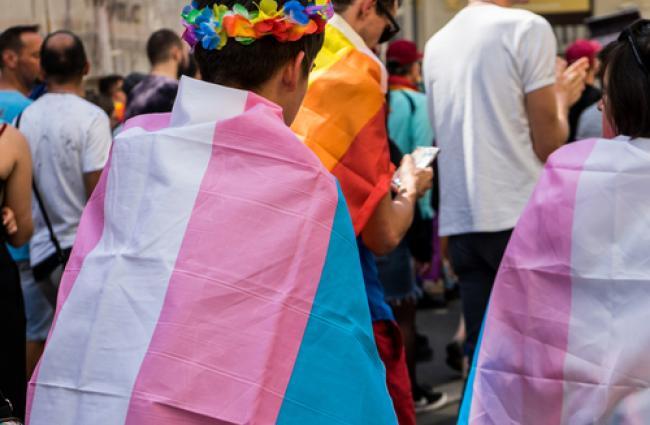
(393, 29)
(629, 35)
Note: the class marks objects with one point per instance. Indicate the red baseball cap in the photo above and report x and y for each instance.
(404, 52)
(583, 49)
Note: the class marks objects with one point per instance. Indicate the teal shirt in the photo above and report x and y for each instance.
(12, 104)
(409, 127)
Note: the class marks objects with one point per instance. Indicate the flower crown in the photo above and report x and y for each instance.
(213, 26)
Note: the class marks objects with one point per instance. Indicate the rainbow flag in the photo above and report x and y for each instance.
(343, 119)
(215, 280)
(564, 341)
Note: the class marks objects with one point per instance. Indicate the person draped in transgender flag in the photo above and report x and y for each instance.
(215, 278)
(565, 341)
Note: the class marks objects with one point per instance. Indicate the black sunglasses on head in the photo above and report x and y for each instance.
(393, 29)
(629, 34)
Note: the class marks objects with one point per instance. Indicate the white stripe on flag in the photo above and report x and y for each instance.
(104, 329)
(606, 364)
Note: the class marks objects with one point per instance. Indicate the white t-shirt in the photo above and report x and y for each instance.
(477, 71)
(68, 137)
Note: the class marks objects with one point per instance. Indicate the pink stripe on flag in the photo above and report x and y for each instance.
(519, 377)
(242, 289)
(91, 228)
(149, 122)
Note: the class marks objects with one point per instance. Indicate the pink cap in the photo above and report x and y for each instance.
(583, 49)
(404, 52)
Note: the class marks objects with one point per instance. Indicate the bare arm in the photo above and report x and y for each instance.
(548, 109)
(18, 195)
(90, 181)
(394, 216)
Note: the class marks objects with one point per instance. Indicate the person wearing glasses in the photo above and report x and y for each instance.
(499, 108)
(563, 341)
(343, 120)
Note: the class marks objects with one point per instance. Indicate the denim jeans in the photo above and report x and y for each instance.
(476, 258)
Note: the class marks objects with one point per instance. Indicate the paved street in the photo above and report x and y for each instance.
(440, 326)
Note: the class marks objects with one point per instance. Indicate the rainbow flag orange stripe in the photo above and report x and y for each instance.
(343, 119)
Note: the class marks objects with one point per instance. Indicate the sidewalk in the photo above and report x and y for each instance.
(440, 326)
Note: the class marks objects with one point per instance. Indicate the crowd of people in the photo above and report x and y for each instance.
(244, 235)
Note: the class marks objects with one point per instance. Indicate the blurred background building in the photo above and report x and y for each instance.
(116, 31)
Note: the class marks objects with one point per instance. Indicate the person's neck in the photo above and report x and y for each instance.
(402, 81)
(9, 81)
(350, 17)
(167, 69)
(75, 88)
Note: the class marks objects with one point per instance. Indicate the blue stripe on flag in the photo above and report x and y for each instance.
(338, 377)
(463, 418)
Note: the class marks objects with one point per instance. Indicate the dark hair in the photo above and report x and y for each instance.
(11, 38)
(341, 6)
(250, 66)
(107, 84)
(396, 68)
(192, 67)
(160, 45)
(101, 100)
(628, 85)
(65, 63)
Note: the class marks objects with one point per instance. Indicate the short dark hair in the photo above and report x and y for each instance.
(104, 102)
(11, 38)
(64, 64)
(160, 44)
(249, 66)
(341, 6)
(398, 69)
(107, 84)
(628, 86)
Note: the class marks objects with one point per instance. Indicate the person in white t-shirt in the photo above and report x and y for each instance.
(498, 113)
(70, 140)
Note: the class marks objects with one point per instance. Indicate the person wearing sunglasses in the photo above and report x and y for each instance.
(564, 340)
(343, 120)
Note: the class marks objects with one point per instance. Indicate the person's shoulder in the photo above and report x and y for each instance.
(572, 154)
(527, 21)
(87, 114)
(14, 98)
(14, 141)
(91, 110)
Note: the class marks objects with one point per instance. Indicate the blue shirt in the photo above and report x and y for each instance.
(12, 104)
(409, 127)
(379, 309)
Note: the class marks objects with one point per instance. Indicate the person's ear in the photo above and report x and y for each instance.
(177, 54)
(87, 69)
(10, 58)
(292, 74)
(366, 7)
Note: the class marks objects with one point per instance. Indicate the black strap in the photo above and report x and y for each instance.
(48, 223)
(410, 100)
(39, 200)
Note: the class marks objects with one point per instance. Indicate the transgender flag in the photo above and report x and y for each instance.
(565, 339)
(215, 280)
